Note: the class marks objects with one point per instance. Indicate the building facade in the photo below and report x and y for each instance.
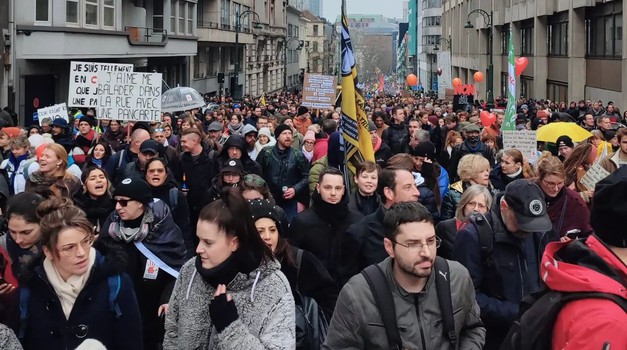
(313, 6)
(294, 45)
(575, 49)
(314, 48)
(154, 36)
(429, 32)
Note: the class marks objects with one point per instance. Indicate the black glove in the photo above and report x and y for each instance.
(222, 312)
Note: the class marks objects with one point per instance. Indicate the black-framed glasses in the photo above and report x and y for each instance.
(123, 202)
(418, 247)
(254, 180)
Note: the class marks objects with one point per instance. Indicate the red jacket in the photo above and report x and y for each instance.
(320, 149)
(588, 323)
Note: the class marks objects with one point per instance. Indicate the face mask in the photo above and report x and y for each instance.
(473, 139)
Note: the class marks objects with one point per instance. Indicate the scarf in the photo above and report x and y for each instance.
(130, 234)
(238, 262)
(16, 165)
(514, 175)
(21, 258)
(308, 155)
(235, 130)
(68, 291)
(97, 210)
(259, 146)
(331, 213)
(97, 162)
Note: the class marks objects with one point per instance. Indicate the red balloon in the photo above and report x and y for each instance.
(521, 64)
(487, 118)
(412, 80)
(478, 76)
(457, 82)
(439, 71)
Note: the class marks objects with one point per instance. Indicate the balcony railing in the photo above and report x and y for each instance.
(147, 36)
(203, 24)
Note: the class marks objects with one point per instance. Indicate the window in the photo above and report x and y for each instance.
(108, 13)
(71, 11)
(430, 39)
(190, 18)
(246, 20)
(505, 40)
(315, 30)
(431, 21)
(236, 12)
(558, 39)
(91, 12)
(526, 87)
(226, 14)
(604, 35)
(42, 11)
(526, 41)
(173, 16)
(557, 91)
(157, 15)
(181, 17)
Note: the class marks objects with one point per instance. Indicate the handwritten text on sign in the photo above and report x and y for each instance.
(129, 96)
(84, 81)
(595, 174)
(524, 141)
(319, 91)
(53, 112)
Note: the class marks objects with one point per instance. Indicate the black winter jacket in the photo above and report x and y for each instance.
(47, 328)
(464, 149)
(281, 168)
(397, 137)
(499, 180)
(198, 172)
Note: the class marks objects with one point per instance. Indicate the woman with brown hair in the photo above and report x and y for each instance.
(53, 173)
(560, 199)
(512, 167)
(583, 157)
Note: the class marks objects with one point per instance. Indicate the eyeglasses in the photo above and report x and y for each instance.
(158, 130)
(553, 184)
(254, 180)
(123, 202)
(417, 246)
(70, 250)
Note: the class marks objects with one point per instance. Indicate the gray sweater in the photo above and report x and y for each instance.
(264, 303)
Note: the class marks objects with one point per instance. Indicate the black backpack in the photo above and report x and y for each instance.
(385, 302)
(539, 311)
(311, 323)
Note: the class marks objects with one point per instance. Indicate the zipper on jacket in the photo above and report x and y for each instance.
(422, 332)
(522, 281)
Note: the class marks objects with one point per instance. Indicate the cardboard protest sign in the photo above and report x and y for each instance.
(464, 98)
(595, 174)
(84, 81)
(522, 140)
(53, 112)
(129, 96)
(319, 91)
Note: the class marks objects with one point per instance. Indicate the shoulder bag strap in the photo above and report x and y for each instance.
(443, 287)
(385, 303)
(299, 260)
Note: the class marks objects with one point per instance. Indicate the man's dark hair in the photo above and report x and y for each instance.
(387, 178)
(329, 171)
(380, 114)
(402, 213)
(329, 126)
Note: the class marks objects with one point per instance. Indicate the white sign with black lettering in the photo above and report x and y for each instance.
(53, 112)
(524, 141)
(84, 81)
(130, 96)
(595, 174)
(319, 91)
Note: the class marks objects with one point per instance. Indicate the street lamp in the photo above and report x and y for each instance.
(445, 40)
(287, 44)
(488, 20)
(237, 94)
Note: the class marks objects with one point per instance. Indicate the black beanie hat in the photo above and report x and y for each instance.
(302, 110)
(608, 207)
(262, 208)
(280, 128)
(564, 141)
(89, 120)
(135, 189)
(423, 149)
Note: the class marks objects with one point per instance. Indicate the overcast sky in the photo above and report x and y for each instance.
(389, 8)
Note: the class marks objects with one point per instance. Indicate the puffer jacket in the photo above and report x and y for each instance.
(452, 198)
(264, 304)
(397, 137)
(281, 168)
(357, 324)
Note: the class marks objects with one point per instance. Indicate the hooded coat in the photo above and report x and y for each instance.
(586, 324)
(264, 304)
(47, 328)
(250, 166)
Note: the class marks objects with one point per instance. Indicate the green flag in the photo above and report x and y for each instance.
(510, 114)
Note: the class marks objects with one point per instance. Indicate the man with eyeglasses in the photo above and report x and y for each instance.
(502, 252)
(409, 273)
(148, 150)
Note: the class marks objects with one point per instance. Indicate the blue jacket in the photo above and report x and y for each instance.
(47, 328)
(503, 277)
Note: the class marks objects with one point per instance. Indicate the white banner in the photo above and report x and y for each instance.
(445, 81)
(129, 96)
(84, 81)
(53, 112)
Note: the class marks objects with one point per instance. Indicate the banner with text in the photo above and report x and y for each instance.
(524, 141)
(129, 96)
(53, 112)
(84, 81)
(319, 91)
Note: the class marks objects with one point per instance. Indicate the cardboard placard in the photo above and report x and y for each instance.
(463, 103)
(523, 140)
(84, 81)
(319, 91)
(53, 112)
(595, 174)
(130, 96)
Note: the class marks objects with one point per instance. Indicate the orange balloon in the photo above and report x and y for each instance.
(457, 82)
(412, 80)
(478, 77)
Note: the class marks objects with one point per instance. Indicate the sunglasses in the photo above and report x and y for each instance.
(123, 202)
(254, 180)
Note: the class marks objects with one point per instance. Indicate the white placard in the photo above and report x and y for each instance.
(84, 81)
(523, 140)
(595, 174)
(129, 96)
(319, 91)
(53, 112)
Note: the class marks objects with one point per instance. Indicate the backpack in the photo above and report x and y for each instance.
(486, 236)
(539, 311)
(114, 282)
(385, 302)
(311, 323)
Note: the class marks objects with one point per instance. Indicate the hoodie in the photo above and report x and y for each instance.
(586, 267)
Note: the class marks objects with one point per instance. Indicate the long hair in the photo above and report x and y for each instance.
(232, 214)
(60, 152)
(579, 158)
